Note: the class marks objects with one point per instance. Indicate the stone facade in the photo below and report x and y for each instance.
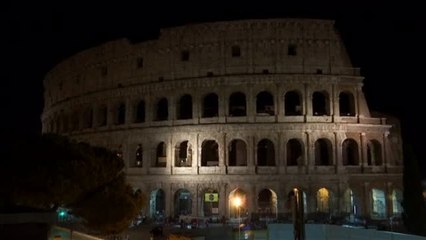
(252, 108)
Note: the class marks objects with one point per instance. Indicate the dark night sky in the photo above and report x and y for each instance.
(384, 40)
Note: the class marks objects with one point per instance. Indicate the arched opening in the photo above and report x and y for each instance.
(240, 210)
(121, 114)
(183, 202)
(88, 118)
(237, 153)
(265, 153)
(290, 197)
(157, 204)
(292, 104)
(237, 104)
(161, 156)
(294, 153)
(162, 110)
(323, 152)
(209, 153)
(74, 121)
(210, 203)
(348, 202)
(210, 106)
(379, 204)
(346, 104)
(264, 104)
(350, 152)
(267, 205)
(320, 104)
(184, 108)
(323, 200)
(102, 116)
(374, 153)
(140, 112)
(396, 202)
(183, 155)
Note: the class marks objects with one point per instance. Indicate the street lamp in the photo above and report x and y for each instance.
(237, 203)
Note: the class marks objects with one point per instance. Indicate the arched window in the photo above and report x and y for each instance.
(120, 114)
(140, 112)
(294, 153)
(162, 110)
(374, 153)
(292, 104)
(350, 152)
(161, 156)
(183, 155)
(210, 106)
(264, 103)
(323, 152)
(237, 104)
(346, 104)
(102, 116)
(184, 107)
(236, 51)
(320, 104)
(265, 153)
(237, 153)
(88, 118)
(209, 153)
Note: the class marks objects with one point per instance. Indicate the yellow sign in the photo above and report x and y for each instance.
(211, 197)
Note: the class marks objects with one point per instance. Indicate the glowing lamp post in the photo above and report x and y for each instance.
(237, 203)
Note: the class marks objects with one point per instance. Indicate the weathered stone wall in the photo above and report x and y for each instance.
(277, 56)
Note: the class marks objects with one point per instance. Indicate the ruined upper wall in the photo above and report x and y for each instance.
(275, 46)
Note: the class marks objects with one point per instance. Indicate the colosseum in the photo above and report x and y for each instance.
(251, 109)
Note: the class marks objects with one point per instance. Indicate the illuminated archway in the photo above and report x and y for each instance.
(233, 210)
(210, 203)
(267, 204)
(157, 203)
(183, 202)
(323, 200)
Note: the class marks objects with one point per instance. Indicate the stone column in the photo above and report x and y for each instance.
(364, 149)
(223, 196)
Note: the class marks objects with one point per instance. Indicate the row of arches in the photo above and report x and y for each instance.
(265, 153)
(267, 203)
(237, 107)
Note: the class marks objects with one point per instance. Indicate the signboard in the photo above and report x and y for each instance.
(211, 197)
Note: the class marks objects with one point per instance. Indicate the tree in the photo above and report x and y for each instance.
(52, 171)
(414, 214)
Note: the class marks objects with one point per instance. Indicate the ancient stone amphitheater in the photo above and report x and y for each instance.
(251, 109)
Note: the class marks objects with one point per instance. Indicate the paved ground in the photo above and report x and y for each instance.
(212, 232)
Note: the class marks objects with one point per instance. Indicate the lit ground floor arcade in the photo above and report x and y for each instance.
(265, 198)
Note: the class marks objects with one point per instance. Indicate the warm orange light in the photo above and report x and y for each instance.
(237, 201)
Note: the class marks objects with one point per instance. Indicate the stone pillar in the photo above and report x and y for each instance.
(338, 153)
(307, 106)
(366, 200)
(169, 199)
(363, 149)
(223, 196)
(310, 152)
(386, 159)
